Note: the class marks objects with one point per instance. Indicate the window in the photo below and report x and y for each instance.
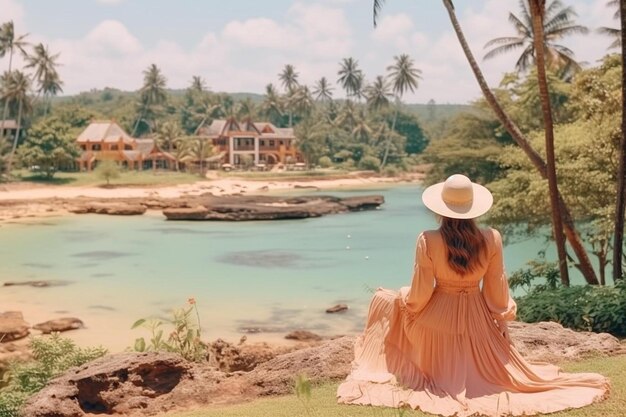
(83, 147)
(96, 147)
(271, 143)
(262, 143)
(128, 148)
(114, 147)
(281, 143)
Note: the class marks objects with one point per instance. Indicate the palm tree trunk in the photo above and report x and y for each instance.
(537, 11)
(388, 142)
(6, 102)
(17, 134)
(620, 205)
(143, 112)
(584, 263)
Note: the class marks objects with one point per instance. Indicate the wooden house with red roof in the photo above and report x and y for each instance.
(106, 140)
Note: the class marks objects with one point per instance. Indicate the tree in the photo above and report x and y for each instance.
(351, 77)
(614, 33)
(198, 84)
(301, 101)
(404, 76)
(107, 170)
(152, 96)
(49, 145)
(272, 106)
(289, 80)
(322, 90)
(200, 149)
(17, 86)
(620, 204)
(45, 73)
(378, 94)
(8, 44)
(557, 23)
(167, 135)
(573, 236)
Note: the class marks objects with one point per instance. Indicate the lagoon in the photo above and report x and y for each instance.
(273, 276)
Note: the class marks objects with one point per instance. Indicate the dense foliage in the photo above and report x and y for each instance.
(52, 356)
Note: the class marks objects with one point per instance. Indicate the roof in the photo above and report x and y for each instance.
(145, 146)
(9, 124)
(104, 131)
(132, 155)
(222, 127)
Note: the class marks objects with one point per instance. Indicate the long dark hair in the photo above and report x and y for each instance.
(465, 242)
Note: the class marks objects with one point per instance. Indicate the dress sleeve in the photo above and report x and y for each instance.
(496, 286)
(422, 285)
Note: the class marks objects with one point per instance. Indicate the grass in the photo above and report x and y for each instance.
(289, 175)
(126, 178)
(323, 402)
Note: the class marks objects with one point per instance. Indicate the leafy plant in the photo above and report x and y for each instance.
(107, 170)
(184, 339)
(302, 389)
(52, 356)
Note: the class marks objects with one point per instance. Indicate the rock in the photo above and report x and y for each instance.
(303, 336)
(196, 213)
(549, 341)
(230, 358)
(12, 326)
(37, 284)
(337, 308)
(310, 187)
(115, 209)
(59, 325)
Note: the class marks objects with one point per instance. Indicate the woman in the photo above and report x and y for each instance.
(442, 344)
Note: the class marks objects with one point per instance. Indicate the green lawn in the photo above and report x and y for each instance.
(126, 178)
(323, 403)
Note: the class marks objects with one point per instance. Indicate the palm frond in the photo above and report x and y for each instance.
(523, 29)
(503, 49)
(377, 6)
(503, 40)
(565, 31)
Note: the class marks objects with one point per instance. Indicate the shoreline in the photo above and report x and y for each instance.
(23, 203)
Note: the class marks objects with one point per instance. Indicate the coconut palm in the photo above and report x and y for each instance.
(348, 114)
(152, 96)
(404, 77)
(167, 135)
(289, 80)
(16, 86)
(8, 44)
(45, 74)
(378, 94)
(301, 101)
(197, 84)
(351, 77)
(584, 263)
(362, 132)
(322, 90)
(558, 23)
(272, 106)
(200, 149)
(614, 33)
(246, 109)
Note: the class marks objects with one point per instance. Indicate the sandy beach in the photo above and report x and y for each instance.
(24, 201)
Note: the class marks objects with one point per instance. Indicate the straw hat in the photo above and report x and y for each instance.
(458, 198)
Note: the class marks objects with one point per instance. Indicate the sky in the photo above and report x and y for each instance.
(242, 45)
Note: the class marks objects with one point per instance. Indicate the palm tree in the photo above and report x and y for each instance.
(289, 80)
(181, 151)
(197, 84)
(322, 90)
(351, 77)
(539, 13)
(200, 148)
(302, 101)
(557, 23)
(152, 93)
(16, 89)
(404, 76)
(620, 204)
(272, 106)
(246, 109)
(614, 33)
(584, 263)
(348, 114)
(167, 135)
(362, 132)
(378, 94)
(45, 74)
(8, 44)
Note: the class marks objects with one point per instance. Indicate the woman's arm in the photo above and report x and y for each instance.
(423, 281)
(496, 286)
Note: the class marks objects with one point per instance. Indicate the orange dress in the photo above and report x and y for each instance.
(442, 346)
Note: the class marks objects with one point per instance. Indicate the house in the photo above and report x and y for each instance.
(260, 143)
(106, 140)
(9, 127)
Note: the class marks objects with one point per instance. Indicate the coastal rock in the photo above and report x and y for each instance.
(37, 284)
(549, 341)
(195, 213)
(230, 358)
(303, 336)
(12, 352)
(114, 209)
(12, 326)
(59, 325)
(338, 308)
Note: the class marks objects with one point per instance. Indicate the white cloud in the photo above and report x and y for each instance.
(12, 10)
(109, 1)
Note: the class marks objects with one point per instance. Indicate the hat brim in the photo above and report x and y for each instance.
(481, 202)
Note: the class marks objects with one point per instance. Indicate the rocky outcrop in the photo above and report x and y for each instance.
(153, 383)
(37, 284)
(241, 208)
(12, 326)
(59, 325)
(303, 336)
(337, 308)
(114, 209)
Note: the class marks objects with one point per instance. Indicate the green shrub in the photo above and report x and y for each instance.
(52, 356)
(325, 162)
(579, 307)
(184, 339)
(391, 171)
(370, 163)
(108, 170)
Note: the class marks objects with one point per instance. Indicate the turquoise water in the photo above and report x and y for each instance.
(271, 276)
